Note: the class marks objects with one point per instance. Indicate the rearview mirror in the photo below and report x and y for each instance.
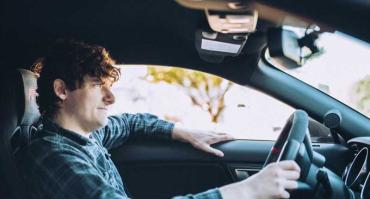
(290, 50)
(283, 46)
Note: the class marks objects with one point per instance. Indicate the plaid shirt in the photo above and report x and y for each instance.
(59, 163)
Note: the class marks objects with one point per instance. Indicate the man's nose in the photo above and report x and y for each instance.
(108, 96)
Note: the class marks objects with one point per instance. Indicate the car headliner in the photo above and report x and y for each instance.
(151, 32)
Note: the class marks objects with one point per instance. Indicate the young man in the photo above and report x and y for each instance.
(68, 157)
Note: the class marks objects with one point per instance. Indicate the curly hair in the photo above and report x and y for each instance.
(70, 61)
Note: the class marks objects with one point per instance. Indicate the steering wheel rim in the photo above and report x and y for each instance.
(294, 143)
(294, 134)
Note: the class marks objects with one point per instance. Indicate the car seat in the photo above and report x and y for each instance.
(19, 115)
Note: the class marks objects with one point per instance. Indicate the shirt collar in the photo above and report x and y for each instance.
(50, 126)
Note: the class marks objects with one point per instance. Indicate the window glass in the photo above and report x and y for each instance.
(199, 100)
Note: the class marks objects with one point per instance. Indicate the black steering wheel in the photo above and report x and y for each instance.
(293, 137)
(294, 143)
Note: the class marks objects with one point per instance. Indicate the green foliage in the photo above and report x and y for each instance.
(182, 77)
(363, 90)
(205, 90)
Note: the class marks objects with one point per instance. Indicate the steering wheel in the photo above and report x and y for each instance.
(293, 137)
(294, 143)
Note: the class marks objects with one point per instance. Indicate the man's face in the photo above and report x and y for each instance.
(89, 104)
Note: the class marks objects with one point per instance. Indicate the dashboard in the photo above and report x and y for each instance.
(357, 174)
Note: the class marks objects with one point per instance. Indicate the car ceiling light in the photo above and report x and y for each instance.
(232, 22)
(214, 46)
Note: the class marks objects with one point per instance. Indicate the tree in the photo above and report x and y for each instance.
(363, 90)
(205, 90)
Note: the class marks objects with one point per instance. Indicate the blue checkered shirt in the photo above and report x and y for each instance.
(59, 163)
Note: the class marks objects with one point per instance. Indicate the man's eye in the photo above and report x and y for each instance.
(98, 85)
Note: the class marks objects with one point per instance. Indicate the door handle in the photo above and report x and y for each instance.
(242, 174)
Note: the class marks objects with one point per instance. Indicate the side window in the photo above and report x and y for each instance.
(199, 100)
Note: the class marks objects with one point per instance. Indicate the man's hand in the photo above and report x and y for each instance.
(200, 139)
(271, 182)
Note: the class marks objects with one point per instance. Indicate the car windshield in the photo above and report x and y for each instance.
(341, 70)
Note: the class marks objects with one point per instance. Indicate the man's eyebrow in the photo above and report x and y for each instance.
(102, 81)
(95, 79)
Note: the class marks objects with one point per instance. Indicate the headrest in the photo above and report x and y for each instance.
(30, 113)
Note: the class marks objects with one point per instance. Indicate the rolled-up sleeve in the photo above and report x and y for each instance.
(122, 127)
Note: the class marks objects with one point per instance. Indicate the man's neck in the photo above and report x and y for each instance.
(69, 123)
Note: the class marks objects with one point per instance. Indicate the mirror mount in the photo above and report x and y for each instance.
(287, 48)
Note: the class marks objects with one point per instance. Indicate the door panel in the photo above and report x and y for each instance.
(161, 169)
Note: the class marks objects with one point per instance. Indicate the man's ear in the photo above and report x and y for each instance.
(60, 89)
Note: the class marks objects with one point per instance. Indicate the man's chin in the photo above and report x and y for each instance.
(103, 122)
(100, 123)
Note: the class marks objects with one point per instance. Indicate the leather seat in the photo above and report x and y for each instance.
(19, 114)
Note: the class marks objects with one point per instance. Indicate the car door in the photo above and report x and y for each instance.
(161, 169)
(153, 168)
